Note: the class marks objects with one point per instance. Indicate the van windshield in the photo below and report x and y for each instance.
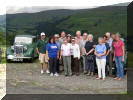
(23, 40)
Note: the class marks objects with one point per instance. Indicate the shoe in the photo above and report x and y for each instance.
(56, 74)
(51, 74)
(47, 71)
(42, 72)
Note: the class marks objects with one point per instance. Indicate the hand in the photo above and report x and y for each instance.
(48, 58)
(57, 57)
(86, 54)
(123, 59)
(38, 53)
(99, 56)
(60, 57)
(114, 59)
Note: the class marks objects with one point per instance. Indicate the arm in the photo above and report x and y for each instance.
(37, 51)
(108, 52)
(91, 50)
(103, 53)
(123, 57)
(96, 54)
(78, 52)
(47, 54)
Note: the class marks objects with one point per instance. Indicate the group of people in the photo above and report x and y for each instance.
(82, 52)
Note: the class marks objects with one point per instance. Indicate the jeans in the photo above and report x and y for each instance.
(101, 63)
(120, 67)
(89, 65)
(53, 64)
(67, 65)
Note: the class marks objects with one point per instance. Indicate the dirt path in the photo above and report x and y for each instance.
(25, 78)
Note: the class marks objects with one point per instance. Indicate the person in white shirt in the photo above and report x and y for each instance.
(66, 54)
(75, 50)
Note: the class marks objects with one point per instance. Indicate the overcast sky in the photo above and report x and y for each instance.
(17, 6)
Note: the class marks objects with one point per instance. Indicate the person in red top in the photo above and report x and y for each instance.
(119, 52)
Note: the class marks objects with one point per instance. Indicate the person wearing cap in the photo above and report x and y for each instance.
(66, 55)
(69, 38)
(75, 51)
(59, 48)
(41, 51)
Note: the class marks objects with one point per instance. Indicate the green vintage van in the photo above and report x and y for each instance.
(24, 47)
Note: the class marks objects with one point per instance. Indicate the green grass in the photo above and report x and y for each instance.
(3, 54)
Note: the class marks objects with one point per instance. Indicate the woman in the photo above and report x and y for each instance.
(69, 38)
(119, 52)
(107, 53)
(89, 58)
(53, 53)
(76, 56)
(66, 54)
(100, 52)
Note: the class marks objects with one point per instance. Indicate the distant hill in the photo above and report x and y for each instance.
(96, 21)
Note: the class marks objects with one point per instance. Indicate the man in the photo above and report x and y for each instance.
(63, 36)
(59, 48)
(79, 40)
(41, 50)
(61, 41)
(109, 55)
(85, 39)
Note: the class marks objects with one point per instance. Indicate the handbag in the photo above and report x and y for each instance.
(90, 57)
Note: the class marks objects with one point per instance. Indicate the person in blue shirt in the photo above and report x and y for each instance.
(100, 52)
(53, 53)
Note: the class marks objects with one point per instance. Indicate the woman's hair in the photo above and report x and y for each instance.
(117, 34)
(105, 36)
(90, 35)
(52, 37)
(100, 38)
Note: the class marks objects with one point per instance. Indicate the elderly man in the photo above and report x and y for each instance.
(79, 40)
(85, 39)
(110, 55)
(63, 36)
(41, 50)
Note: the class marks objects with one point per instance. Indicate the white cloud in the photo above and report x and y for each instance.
(19, 4)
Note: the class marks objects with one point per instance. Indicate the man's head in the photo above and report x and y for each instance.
(85, 36)
(56, 37)
(43, 36)
(63, 34)
(78, 34)
(113, 36)
(108, 35)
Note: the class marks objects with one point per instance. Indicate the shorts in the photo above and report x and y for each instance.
(43, 58)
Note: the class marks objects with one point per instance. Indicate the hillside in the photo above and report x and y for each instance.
(96, 21)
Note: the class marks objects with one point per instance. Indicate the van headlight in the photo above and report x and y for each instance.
(25, 48)
(12, 47)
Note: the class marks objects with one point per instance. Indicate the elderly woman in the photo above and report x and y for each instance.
(89, 51)
(100, 52)
(75, 50)
(66, 54)
(119, 52)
